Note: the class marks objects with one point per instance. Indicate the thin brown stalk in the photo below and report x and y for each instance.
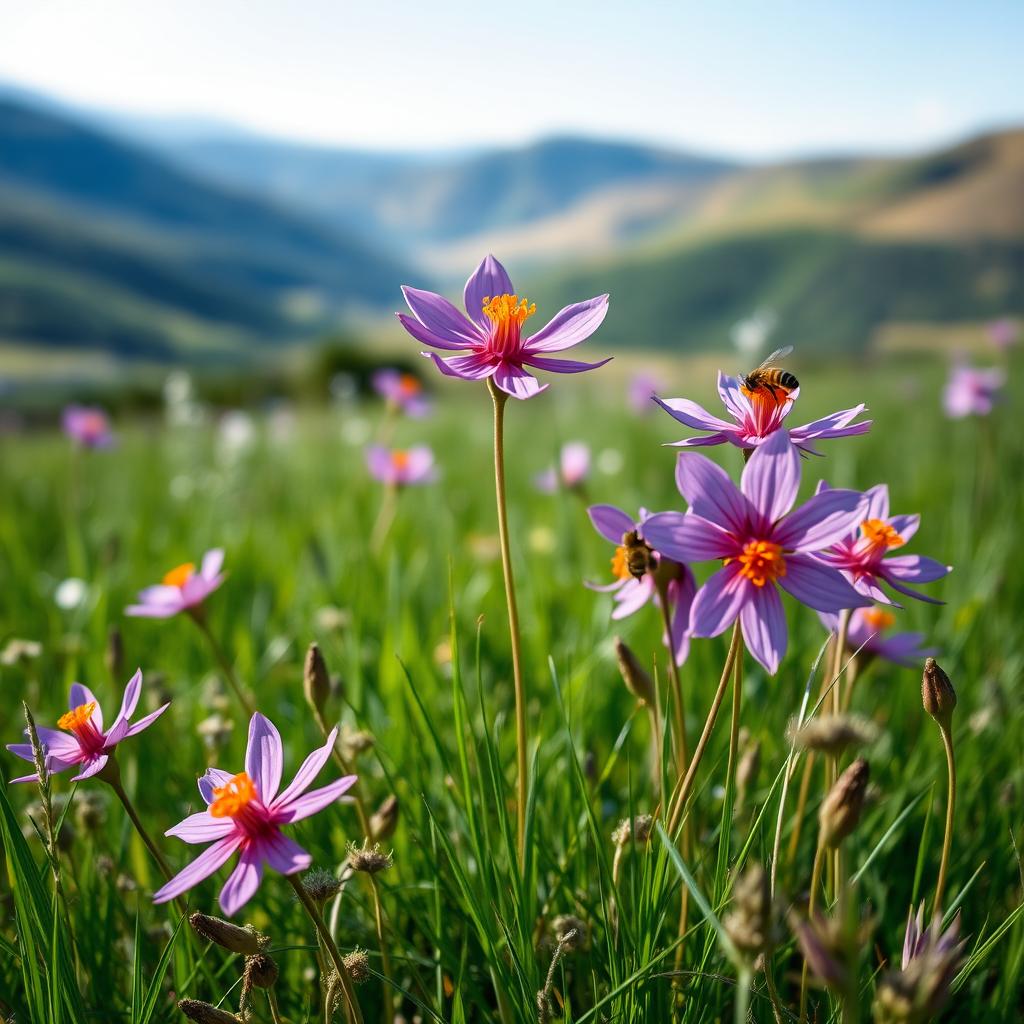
(222, 660)
(947, 841)
(385, 958)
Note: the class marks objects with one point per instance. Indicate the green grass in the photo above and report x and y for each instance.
(422, 655)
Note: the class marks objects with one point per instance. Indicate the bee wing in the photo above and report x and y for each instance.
(779, 353)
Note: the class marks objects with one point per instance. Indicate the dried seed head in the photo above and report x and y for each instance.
(750, 924)
(937, 693)
(368, 859)
(570, 932)
(316, 680)
(260, 971)
(638, 829)
(357, 963)
(204, 1013)
(833, 734)
(841, 809)
(321, 885)
(384, 820)
(245, 940)
(637, 681)
(832, 946)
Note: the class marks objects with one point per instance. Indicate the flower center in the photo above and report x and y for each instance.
(233, 797)
(878, 618)
(78, 721)
(507, 314)
(771, 398)
(761, 562)
(880, 534)
(399, 460)
(180, 575)
(409, 385)
(620, 569)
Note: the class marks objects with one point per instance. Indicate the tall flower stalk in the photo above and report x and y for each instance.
(939, 700)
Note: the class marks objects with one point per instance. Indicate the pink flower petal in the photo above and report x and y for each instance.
(264, 757)
(202, 867)
(691, 414)
(772, 477)
(213, 778)
(515, 381)
(146, 721)
(243, 882)
(718, 602)
(764, 626)
(711, 493)
(820, 521)
(79, 695)
(473, 367)
(687, 537)
(213, 562)
(201, 827)
(610, 522)
(316, 800)
(425, 337)
(309, 770)
(92, 767)
(284, 855)
(441, 318)
(569, 326)
(819, 586)
(632, 596)
(488, 280)
(562, 365)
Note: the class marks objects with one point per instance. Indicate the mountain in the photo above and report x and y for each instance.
(415, 201)
(837, 249)
(107, 245)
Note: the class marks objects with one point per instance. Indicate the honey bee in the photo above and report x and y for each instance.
(639, 557)
(769, 377)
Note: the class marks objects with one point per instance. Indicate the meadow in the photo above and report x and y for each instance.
(411, 624)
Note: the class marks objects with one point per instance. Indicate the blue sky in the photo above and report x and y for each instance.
(759, 80)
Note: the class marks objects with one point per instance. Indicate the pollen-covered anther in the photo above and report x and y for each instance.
(761, 562)
(400, 459)
(880, 534)
(179, 575)
(233, 797)
(507, 314)
(78, 718)
(878, 618)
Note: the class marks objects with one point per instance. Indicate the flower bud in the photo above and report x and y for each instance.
(833, 734)
(321, 885)
(316, 681)
(385, 819)
(937, 693)
(841, 809)
(750, 924)
(639, 828)
(245, 940)
(261, 971)
(204, 1013)
(637, 681)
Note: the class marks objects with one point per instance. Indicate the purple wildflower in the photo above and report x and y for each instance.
(83, 740)
(971, 391)
(863, 555)
(400, 467)
(761, 543)
(245, 812)
(181, 589)
(631, 594)
(572, 472)
(756, 416)
(919, 939)
(87, 426)
(492, 332)
(1004, 333)
(868, 633)
(403, 391)
(642, 388)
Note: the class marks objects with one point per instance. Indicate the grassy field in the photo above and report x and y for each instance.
(417, 637)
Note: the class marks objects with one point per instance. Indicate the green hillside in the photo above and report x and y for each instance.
(830, 290)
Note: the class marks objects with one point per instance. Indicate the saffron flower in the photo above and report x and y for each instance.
(868, 632)
(399, 467)
(182, 589)
(87, 426)
(757, 415)
(572, 471)
(491, 332)
(971, 391)
(631, 593)
(863, 554)
(762, 544)
(402, 391)
(80, 738)
(245, 812)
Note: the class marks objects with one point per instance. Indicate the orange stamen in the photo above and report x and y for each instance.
(771, 397)
(880, 534)
(233, 797)
(77, 718)
(878, 618)
(180, 575)
(508, 313)
(409, 385)
(761, 562)
(399, 460)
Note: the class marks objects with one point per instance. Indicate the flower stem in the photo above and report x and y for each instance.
(222, 659)
(275, 1011)
(835, 864)
(111, 774)
(346, 769)
(387, 1013)
(500, 398)
(812, 901)
(683, 792)
(678, 708)
(385, 517)
(352, 1011)
(947, 842)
